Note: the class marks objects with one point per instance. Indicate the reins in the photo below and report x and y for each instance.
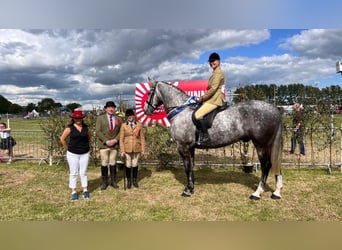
(172, 111)
(151, 95)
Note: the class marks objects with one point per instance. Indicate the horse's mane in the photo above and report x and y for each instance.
(175, 87)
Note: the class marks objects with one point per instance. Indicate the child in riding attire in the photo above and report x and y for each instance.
(213, 98)
(7, 141)
(132, 146)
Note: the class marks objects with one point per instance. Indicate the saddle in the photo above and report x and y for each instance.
(208, 118)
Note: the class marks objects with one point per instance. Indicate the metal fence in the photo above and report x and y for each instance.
(36, 145)
(31, 145)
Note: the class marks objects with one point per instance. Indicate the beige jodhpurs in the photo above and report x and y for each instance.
(132, 159)
(108, 156)
(204, 109)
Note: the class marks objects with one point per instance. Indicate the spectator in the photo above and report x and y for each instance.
(108, 131)
(78, 149)
(132, 146)
(297, 130)
(7, 141)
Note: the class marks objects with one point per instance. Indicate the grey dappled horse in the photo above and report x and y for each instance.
(257, 121)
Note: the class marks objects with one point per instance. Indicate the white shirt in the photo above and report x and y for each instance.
(5, 134)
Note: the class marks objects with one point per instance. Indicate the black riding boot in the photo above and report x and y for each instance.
(104, 174)
(129, 177)
(203, 136)
(112, 170)
(135, 177)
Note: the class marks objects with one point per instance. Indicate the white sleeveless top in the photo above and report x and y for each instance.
(5, 134)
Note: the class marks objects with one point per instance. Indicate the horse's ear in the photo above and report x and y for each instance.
(153, 81)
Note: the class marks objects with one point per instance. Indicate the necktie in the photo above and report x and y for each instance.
(131, 123)
(111, 124)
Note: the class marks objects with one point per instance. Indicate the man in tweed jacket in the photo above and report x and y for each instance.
(108, 136)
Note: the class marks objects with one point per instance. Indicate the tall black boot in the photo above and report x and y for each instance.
(129, 177)
(135, 177)
(104, 174)
(112, 170)
(203, 136)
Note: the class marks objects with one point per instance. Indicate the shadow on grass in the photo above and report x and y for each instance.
(94, 184)
(213, 176)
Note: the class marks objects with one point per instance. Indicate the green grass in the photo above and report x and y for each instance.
(23, 124)
(29, 192)
(338, 120)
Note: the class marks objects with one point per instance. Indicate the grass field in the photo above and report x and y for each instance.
(23, 124)
(29, 192)
(32, 192)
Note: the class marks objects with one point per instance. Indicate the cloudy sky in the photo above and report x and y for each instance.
(91, 66)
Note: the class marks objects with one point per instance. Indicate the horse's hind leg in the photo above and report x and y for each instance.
(265, 169)
(279, 185)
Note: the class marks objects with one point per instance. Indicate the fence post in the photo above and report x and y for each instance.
(50, 148)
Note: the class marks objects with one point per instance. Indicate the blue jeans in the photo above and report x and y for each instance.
(297, 137)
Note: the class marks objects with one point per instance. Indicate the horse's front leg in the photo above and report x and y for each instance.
(188, 161)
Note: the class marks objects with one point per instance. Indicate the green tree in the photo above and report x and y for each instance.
(30, 107)
(71, 106)
(4, 105)
(46, 104)
(15, 109)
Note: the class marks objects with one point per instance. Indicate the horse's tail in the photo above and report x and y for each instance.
(277, 148)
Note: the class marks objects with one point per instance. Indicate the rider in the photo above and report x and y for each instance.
(213, 98)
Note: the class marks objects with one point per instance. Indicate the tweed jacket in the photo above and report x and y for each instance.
(215, 95)
(102, 131)
(132, 140)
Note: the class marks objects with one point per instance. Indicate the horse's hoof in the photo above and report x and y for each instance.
(186, 194)
(275, 197)
(254, 198)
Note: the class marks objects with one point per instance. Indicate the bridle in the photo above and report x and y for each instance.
(151, 93)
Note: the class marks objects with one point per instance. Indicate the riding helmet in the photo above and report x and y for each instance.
(129, 112)
(213, 56)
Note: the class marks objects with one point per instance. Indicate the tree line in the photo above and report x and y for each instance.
(44, 105)
(272, 93)
(289, 94)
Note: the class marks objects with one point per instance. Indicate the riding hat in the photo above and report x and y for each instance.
(129, 112)
(110, 104)
(213, 57)
(77, 114)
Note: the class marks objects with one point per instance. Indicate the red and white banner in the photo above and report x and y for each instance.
(192, 88)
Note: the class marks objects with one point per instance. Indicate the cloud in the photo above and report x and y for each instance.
(278, 69)
(91, 66)
(316, 43)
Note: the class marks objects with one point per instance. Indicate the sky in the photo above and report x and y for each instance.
(90, 52)
(92, 66)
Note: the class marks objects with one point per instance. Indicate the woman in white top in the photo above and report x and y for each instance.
(7, 141)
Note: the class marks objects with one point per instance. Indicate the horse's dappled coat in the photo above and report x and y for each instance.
(253, 120)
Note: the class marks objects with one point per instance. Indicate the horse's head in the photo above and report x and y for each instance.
(153, 101)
